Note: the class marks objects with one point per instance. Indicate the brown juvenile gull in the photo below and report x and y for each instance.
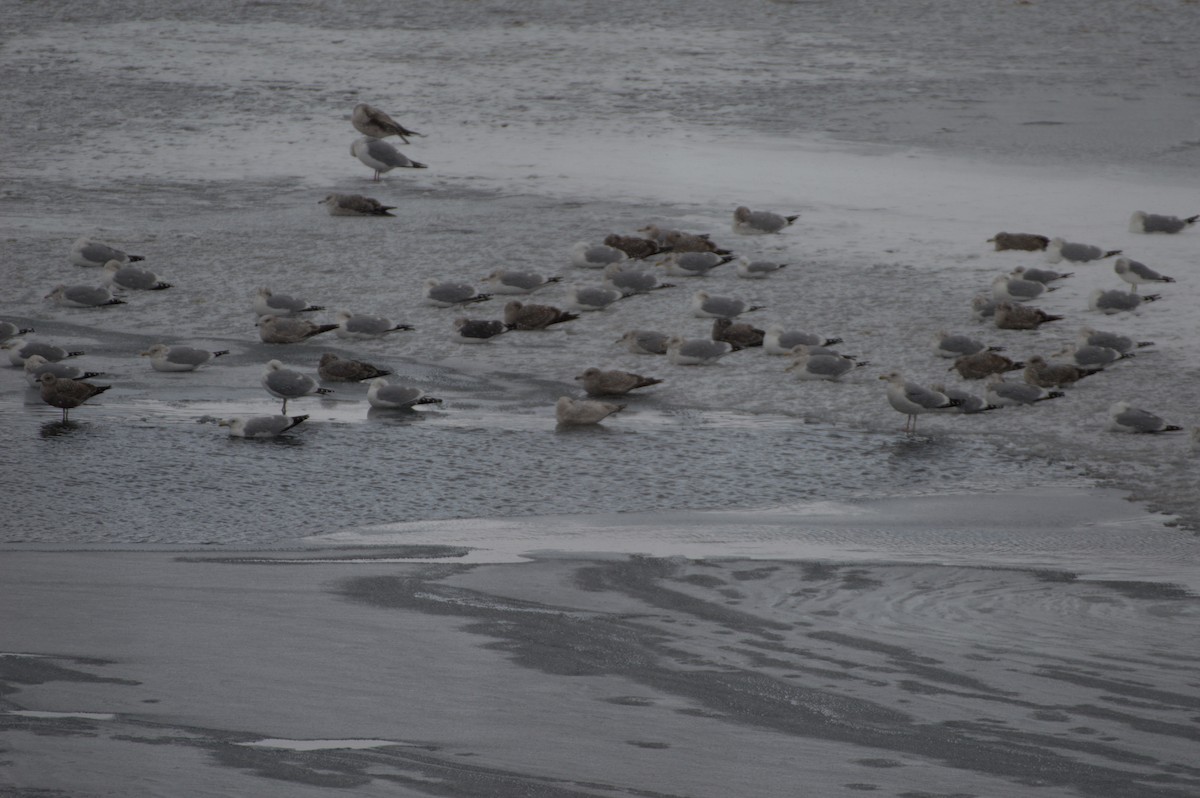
(1039, 275)
(705, 305)
(1009, 394)
(447, 294)
(83, 296)
(645, 342)
(680, 241)
(36, 366)
(757, 269)
(1012, 316)
(1059, 250)
(597, 382)
(19, 350)
(180, 358)
(913, 400)
(355, 205)
(8, 331)
(1028, 242)
(285, 383)
(476, 331)
(1142, 222)
(514, 281)
(634, 246)
(283, 330)
(381, 156)
(67, 393)
(632, 279)
(571, 412)
(693, 264)
(132, 278)
(1054, 375)
(809, 365)
(739, 334)
(270, 304)
(386, 396)
(1124, 417)
(779, 341)
(1115, 300)
(984, 364)
(335, 369)
(748, 222)
(259, 426)
(954, 345)
(1121, 343)
(370, 121)
(596, 256)
(520, 316)
(89, 252)
(363, 325)
(1136, 273)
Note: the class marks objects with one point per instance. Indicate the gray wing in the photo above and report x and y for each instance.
(290, 384)
(924, 397)
(188, 356)
(1140, 420)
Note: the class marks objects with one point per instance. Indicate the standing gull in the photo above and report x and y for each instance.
(748, 222)
(132, 278)
(597, 382)
(1115, 300)
(370, 121)
(1136, 273)
(521, 316)
(512, 281)
(381, 156)
(696, 351)
(1142, 222)
(362, 325)
(36, 366)
(20, 350)
(284, 330)
(89, 252)
(259, 426)
(1001, 393)
(355, 205)
(476, 331)
(1059, 250)
(570, 412)
(1026, 242)
(67, 393)
(819, 366)
(386, 396)
(913, 400)
(778, 341)
(83, 296)
(1124, 417)
(269, 304)
(335, 369)
(447, 294)
(645, 342)
(180, 358)
(693, 264)
(596, 256)
(705, 305)
(284, 383)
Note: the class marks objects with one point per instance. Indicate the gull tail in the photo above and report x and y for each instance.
(295, 420)
(428, 400)
(135, 258)
(220, 352)
(1110, 253)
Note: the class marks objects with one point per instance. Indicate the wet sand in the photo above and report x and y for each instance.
(297, 672)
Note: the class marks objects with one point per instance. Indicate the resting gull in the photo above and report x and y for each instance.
(332, 368)
(967, 403)
(705, 305)
(1002, 393)
(598, 382)
(83, 296)
(370, 121)
(512, 281)
(180, 358)
(680, 241)
(809, 365)
(284, 330)
(89, 252)
(259, 426)
(596, 256)
(269, 304)
(1121, 343)
(757, 269)
(1054, 375)
(1092, 356)
(984, 364)
(8, 331)
(913, 400)
(1059, 250)
(748, 222)
(362, 325)
(19, 350)
(1114, 300)
(476, 331)
(740, 334)
(1142, 222)
(355, 205)
(1016, 289)
(36, 366)
(447, 294)
(954, 345)
(1027, 242)
(593, 297)
(632, 280)
(693, 264)
(387, 396)
(1039, 275)
(983, 307)
(132, 278)
(1012, 316)
(1124, 417)
(521, 316)
(778, 341)
(570, 412)
(696, 351)
(67, 393)
(285, 383)
(381, 156)
(645, 342)
(1136, 273)
(634, 246)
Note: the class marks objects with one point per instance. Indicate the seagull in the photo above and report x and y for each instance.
(1054, 375)
(748, 222)
(284, 330)
(1142, 222)
(370, 121)
(511, 281)
(83, 296)
(67, 393)
(705, 305)
(593, 297)
(983, 364)
(269, 304)
(757, 269)
(740, 334)
(696, 351)
(645, 342)
(983, 307)
(634, 246)
(132, 278)
(1135, 273)
(36, 366)
(1092, 356)
(1043, 276)
(1059, 250)
(180, 358)
(1121, 343)
(520, 316)
(285, 383)
(8, 331)
(476, 331)
(386, 396)
(913, 400)
(259, 426)
(808, 365)
(632, 280)
(1010, 316)
(693, 264)
(361, 325)
(1028, 242)
(20, 350)
(597, 382)
(570, 412)
(596, 256)
(335, 369)
(89, 252)
(679, 241)
(1015, 289)
(955, 346)
(1009, 394)
(355, 205)
(778, 341)
(1114, 300)
(381, 156)
(448, 294)
(1124, 417)
(968, 403)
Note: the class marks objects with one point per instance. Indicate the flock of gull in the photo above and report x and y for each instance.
(626, 261)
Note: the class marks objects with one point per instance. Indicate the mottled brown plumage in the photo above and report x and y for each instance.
(984, 364)
(613, 383)
(633, 246)
(1028, 242)
(519, 316)
(67, 393)
(739, 334)
(1011, 316)
(336, 369)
